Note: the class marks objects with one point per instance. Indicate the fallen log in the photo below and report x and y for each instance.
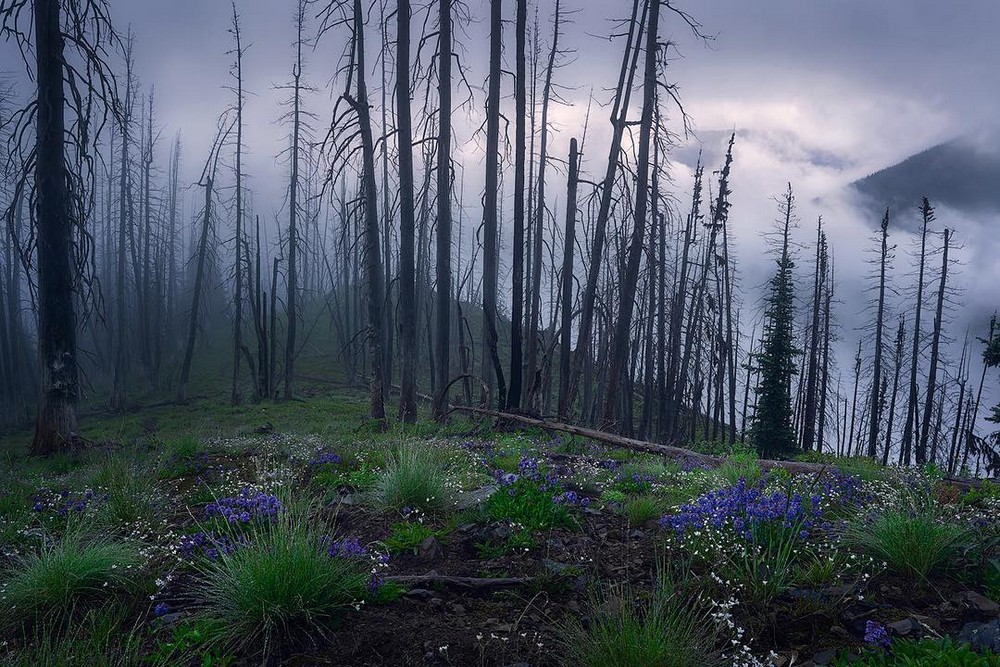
(670, 451)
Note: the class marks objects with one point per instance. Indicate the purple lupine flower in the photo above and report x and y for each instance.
(348, 547)
(876, 635)
(245, 507)
(162, 609)
(321, 458)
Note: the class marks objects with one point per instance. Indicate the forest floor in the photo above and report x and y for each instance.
(467, 545)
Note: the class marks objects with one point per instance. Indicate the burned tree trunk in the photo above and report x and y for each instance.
(626, 299)
(935, 355)
(443, 241)
(407, 269)
(56, 425)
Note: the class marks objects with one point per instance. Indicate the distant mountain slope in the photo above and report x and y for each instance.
(955, 174)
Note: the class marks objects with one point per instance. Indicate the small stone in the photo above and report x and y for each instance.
(457, 609)
(430, 549)
(636, 534)
(435, 603)
(978, 602)
(904, 627)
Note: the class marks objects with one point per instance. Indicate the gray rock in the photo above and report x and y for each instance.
(430, 549)
(982, 635)
(473, 498)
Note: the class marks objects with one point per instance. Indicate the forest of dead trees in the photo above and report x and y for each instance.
(614, 300)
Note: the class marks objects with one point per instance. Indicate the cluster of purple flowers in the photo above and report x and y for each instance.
(206, 544)
(65, 502)
(321, 457)
(844, 489)
(348, 547)
(876, 635)
(245, 507)
(571, 498)
(527, 469)
(744, 508)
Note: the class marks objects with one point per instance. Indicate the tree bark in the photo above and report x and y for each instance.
(56, 425)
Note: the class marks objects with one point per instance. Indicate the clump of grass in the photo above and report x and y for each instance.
(741, 463)
(103, 636)
(414, 478)
(911, 542)
(669, 629)
(76, 569)
(640, 509)
(130, 497)
(282, 583)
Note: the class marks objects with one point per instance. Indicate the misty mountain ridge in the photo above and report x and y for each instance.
(961, 174)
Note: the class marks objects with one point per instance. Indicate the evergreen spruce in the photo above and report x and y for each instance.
(771, 432)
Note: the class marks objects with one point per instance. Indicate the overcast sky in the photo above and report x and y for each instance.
(821, 92)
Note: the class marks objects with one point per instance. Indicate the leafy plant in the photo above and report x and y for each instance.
(911, 542)
(922, 653)
(529, 504)
(407, 536)
(413, 478)
(191, 639)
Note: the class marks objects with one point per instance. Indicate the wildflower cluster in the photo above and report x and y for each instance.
(245, 507)
(322, 458)
(744, 508)
(876, 635)
(206, 544)
(66, 502)
(571, 498)
(350, 548)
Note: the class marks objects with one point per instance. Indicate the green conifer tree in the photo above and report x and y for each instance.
(771, 431)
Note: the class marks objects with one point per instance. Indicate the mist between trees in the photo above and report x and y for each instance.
(618, 303)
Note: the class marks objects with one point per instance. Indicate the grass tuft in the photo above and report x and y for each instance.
(414, 478)
(911, 542)
(281, 583)
(51, 582)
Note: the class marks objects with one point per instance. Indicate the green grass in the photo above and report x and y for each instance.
(53, 581)
(413, 477)
(741, 463)
(922, 653)
(407, 536)
(131, 495)
(526, 504)
(103, 637)
(668, 629)
(281, 584)
(911, 542)
(641, 509)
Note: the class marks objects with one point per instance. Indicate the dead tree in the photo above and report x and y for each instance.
(238, 296)
(291, 299)
(492, 368)
(407, 269)
(935, 355)
(875, 406)
(626, 299)
(517, 272)
(927, 214)
(619, 111)
(443, 240)
(569, 239)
